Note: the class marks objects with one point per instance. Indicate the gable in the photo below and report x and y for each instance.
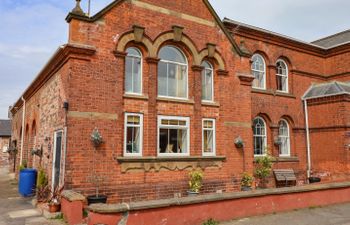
(197, 11)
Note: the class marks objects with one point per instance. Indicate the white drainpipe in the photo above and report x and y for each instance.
(23, 124)
(307, 140)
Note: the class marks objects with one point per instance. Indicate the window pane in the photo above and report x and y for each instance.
(207, 85)
(172, 82)
(208, 141)
(162, 79)
(172, 141)
(182, 81)
(133, 140)
(137, 75)
(128, 74)
(259, 145)
(171, 54)
(133, 120)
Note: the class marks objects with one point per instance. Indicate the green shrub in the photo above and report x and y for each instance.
(263, 168)
(42, 179)
(196, 178)
(211, 222)
(24, 165)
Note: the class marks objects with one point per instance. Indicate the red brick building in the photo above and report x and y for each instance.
(171, 87)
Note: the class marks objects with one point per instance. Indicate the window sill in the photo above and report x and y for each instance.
(184, 101)
(131, 96)
(210, 104)
(274, 93)
(280, 159)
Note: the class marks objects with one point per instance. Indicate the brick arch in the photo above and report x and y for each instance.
(289, 119)
(171, 36)
(129, 37)
(286, 60)
(220, 61)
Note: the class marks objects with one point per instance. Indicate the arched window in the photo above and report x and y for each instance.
(172, 73)
(282, 76)
(259, 136)
(259, 71)
(284, 138)
(207, 82)
(133, 71)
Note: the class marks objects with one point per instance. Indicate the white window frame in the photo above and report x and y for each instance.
(159, 126)
(213, 153)
(141, 71)
(260, 71)
(175, 63)
(287, 137)
(263, 136)
(283, 75)
(125, 133)
(211, 69)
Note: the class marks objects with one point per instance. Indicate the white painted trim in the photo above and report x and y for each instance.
(141, 71)
(214, 137)
(54, 156)
(265, 139)
(141, 133)
(212, 81)
(188, 127)
(288, 138)
(175, 63)
(281, 75)
(265, 74)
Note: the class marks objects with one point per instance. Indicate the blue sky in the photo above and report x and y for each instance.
(31, 30)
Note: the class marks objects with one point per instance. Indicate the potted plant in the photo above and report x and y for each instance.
(42, 187)
(55, 200)
(239, 142)
(96, 139)
(195, 183)
(246, 182)
(37, 152)
(263, 169)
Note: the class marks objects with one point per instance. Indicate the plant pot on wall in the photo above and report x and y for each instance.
(314, 180)
(94, 199)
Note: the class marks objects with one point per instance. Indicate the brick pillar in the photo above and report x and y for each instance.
(151, 142)
(119, 94)
(271, 77)
(196, 147)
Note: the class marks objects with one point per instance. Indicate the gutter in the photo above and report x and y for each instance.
(308, 144)
(23, 124)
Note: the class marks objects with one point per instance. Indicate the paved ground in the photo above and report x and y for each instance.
(15, 210)
(331, 215)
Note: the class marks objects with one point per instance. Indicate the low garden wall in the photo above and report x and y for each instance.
(220, 207)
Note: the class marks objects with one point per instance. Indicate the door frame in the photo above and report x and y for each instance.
(54, 157)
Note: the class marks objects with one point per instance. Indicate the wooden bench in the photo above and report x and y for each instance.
(285, 177)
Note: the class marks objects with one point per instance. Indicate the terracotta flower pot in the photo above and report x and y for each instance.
(53, 208)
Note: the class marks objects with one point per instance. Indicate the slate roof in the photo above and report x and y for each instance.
(327, 89)
(5, 128)
(334, 40)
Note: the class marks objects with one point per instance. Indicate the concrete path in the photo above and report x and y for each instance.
(15, 210)
(330, 215)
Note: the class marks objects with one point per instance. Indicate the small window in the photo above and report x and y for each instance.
(284, 138)
(208, 137)
(172, 73)
(207, 82)
(173, 136)
(259, 136)
(133, 134)
(133, 71)
(259, 71)
(282, 76)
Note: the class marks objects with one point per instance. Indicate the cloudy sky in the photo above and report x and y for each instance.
(31, 30)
